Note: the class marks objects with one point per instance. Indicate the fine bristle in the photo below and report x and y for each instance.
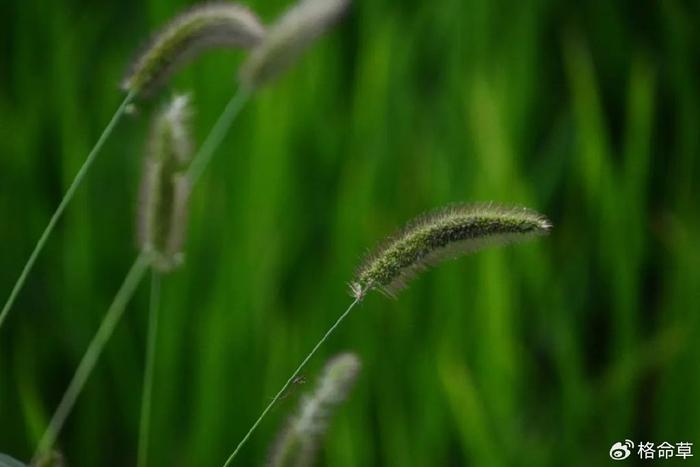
(287, 39)
(440, 235)
(198, 29)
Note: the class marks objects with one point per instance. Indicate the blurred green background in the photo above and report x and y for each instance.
(541, 354)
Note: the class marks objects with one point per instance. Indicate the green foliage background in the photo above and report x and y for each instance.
(537, 355)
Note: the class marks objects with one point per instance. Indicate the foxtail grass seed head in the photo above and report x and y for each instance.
(287, 39)
(165, 187)
(440, 235)
(299, 441)
(188, 35)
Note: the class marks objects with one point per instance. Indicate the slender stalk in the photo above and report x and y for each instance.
(199, 163)
(87, 364)
(144, 425)
(217, 134)
(291, 379)
(67, 197)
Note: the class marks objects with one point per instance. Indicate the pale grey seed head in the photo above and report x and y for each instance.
(444, 234)
(299, 441)
(165, 187)
(287, 39)
(198, 29)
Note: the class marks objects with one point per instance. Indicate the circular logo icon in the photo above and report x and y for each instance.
(621, 451)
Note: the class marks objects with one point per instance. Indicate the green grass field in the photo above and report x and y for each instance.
(540, 354)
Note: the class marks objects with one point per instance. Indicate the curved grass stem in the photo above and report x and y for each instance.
(290, 380)
(199, 163)
(217, 134)
(67, 197)
(87, 364)
(145, 421)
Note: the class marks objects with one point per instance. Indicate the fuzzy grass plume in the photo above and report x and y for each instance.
(440, 235)
(429, 239)
(165, 187)
(189, 34)
(299, 441)
(287, 39)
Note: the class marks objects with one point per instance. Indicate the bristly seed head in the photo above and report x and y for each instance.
(299, 441)
(185, 37)
(287, 39)
(440, 235)
(165, 187)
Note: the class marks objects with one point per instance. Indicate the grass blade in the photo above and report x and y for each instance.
(144, 424)
(217, 134)
(62, 207)
(92, 354)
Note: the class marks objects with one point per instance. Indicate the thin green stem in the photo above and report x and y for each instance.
(291, 379)
(217, 134)
(67, 197)
(87, 364)
(145, 423)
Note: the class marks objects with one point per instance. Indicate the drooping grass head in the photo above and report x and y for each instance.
(200, 28)
(440, 235)
(299, 441)
(288, 38)
(165, 187)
